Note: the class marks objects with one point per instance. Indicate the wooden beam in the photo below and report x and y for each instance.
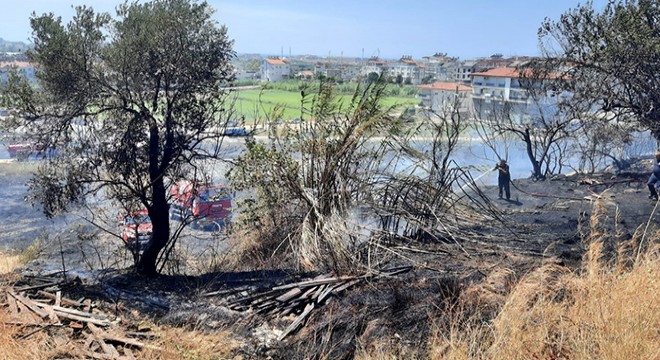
(294, 325)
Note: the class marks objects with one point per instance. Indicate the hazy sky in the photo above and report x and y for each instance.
(388, 28)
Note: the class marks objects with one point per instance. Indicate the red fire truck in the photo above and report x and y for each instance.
(135, 229)
(205, 207)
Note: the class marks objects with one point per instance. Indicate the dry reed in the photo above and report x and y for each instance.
(606, 310)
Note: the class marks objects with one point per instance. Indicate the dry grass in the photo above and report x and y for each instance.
(9, 263)
(37, 346)
(178, 343)
(172, 343)
(606, 310)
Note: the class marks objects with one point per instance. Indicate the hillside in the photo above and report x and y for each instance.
(577, 251)
(13, 46)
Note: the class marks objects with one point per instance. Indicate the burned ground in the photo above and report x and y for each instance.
(544, 222)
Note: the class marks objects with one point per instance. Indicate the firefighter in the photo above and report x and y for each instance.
(503, 179)
(655, 176)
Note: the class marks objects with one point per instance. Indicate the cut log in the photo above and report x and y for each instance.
(52, 316)
(86, 320)
(112, 338)
(41, 286)
(88, 341)
(318, 292)
(345, 286)
(24, 314)
(308, 294)
(325, 293)
(250, 299)
(107, 348)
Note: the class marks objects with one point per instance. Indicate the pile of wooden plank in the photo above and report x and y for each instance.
(302, 297)
(42, 307)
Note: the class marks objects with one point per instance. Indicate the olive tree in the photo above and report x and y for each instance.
(130, 104)
(610, 58)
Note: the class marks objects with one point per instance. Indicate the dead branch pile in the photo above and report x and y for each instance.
(90, 333)
(301, 298)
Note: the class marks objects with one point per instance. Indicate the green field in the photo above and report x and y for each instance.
(258, 104)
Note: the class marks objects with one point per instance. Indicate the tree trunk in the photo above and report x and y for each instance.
(530, 153)
(159, 215)
(158, 211)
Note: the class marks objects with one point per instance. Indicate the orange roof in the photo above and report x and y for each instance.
(18, 64)
(514, 73)
(273, 61)
(446, 86)
(499, 72)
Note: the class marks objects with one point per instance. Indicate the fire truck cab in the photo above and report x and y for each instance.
(205, 207)
(135, 229)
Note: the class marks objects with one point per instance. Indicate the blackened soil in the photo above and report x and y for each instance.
(545, 221)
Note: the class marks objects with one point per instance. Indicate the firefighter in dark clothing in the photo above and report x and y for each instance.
(504, 178)
(655, 176)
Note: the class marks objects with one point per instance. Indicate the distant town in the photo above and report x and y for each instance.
(438, 77)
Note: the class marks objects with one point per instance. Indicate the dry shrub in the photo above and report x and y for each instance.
(9, 263)
(489, 295)
(258, 248)
(180, 343)
(604, 311)
(37, 346)
(388, 350)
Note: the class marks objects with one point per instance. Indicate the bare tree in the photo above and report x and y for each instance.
(537, 120)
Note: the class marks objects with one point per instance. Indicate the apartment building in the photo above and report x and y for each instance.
(440, 67)
(493, 88)
(373, 65)
(439, 95)
(274, 69)
(410, 70)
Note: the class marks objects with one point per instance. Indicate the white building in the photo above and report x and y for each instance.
(274, 69)
(495, 87)
(439, 95)
(440, 67)
(373, 65)
(463, 71)
(501, 84)
(409, 70)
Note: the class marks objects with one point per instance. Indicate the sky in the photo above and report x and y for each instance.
(351, 28)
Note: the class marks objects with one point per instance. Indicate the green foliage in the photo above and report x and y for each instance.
(253, 65)
(317, 171)
(257, 105)
(609, 57)
(126, 103)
